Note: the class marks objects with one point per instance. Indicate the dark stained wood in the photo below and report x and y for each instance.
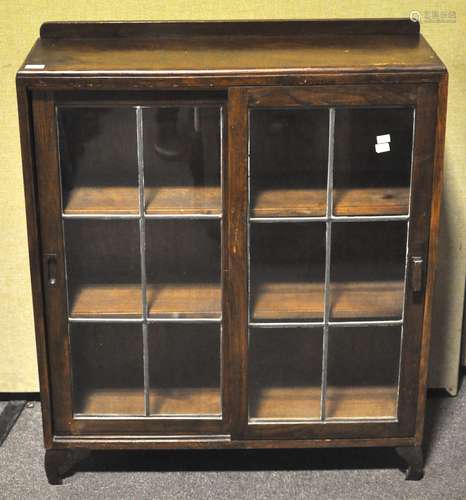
(35, 257)
(60, 463)
(164, 29)
(422, 179)
(54, 462)
(131, 442)
(229, 396)
(432, 256)
(92, 82)
(223, 55)
(343, 95)
(237, 253)
(51, 235)
(160, 426)
(413, 457)
(259, 64)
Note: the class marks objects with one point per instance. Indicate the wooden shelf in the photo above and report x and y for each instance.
(285, 403)
(347, 202)
(106, 200)
(371, 201)
(361, 402)
(271, 301)
(277, 301)
(366, 300)
(289, 203)
(341, 403)
(111, 401)
(305, 301)
(272, 402)
(185, 401)
(102, 301)
(182, 401)
(205, 200)
(199, 300)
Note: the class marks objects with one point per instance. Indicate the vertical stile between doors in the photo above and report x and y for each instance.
(237, 203)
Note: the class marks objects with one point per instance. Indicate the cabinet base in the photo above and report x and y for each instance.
(413, 457)
(60, 463)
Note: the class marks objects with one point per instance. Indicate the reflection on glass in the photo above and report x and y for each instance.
(363, 365)
(285, 372)
(103, 267)
(372, 161)
(184, 369)
(183, 268)
(288, 162)
(98, 160)
(107, 369)
(182, 160)
(367, 270)
(287, 271)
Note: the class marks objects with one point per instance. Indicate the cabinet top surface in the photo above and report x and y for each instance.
(230, 48)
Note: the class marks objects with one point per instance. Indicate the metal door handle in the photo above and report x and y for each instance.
(417, 273)
(51, 267)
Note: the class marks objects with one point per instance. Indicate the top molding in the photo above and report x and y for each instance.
(175, 29)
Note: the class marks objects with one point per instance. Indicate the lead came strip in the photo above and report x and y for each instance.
(328, 248)
(142, 248)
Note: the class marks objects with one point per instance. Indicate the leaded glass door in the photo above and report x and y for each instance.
(140, 262)
(335, 250)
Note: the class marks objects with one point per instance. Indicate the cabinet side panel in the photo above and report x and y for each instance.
(30, 194)
(433, 251)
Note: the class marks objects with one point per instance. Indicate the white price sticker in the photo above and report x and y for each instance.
(383, 138)
(34, 66)
(382, 148)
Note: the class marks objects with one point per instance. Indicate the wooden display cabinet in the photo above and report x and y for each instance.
(232, 233)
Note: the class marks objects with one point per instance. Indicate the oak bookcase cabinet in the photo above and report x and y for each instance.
(232, 233)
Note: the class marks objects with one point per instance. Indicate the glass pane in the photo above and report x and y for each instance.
(182, 160)
(285, 373)
(184, 369)
(107, 369)
(287, 271)
(98, 160)
(372, 161)
(103, 268)
(183, 268)
(363, 366)
(288, 162)
(367, 270)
